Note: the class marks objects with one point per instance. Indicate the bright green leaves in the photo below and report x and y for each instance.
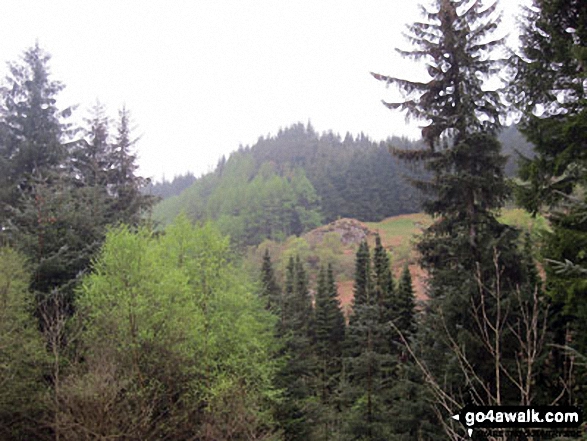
(22, 354)
(181, 324)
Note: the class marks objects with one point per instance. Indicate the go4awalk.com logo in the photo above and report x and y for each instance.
(520, 418)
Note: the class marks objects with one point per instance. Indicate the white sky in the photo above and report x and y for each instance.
(201, 77)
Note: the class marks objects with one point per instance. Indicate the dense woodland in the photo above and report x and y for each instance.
(319, 177)
(120, 321)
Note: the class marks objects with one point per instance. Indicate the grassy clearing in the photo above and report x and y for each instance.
(399, 233)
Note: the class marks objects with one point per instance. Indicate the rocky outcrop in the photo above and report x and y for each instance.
(351, 231)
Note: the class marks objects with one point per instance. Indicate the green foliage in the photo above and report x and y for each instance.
(549, 89)
(369, 352)
(473, 261)
(22, 354)
(362, 275)
(250, 205)
(330, 325)
(166, 189)
(57, 194)
(454, 39)
(293, 181)
(404, 304)
(270, 290)
(296, 329)
(184, 333)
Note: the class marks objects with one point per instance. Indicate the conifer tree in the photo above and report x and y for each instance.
(270, 290)
(362, 275)
(466, 247)
(33, 129)
(404, 305)
(336, 317)
(91, 157)
(385, 295)
(329, 339)
(368, 352)
(329, 324)
(295, 329)
(36, 205)
(549, 89)
(32, 135)
(125, 183)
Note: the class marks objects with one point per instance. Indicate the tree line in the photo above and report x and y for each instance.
(298, 179)
(111, 328)
(341, 380)
(493, 331)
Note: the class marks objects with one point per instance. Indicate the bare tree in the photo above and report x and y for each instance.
(523, 322)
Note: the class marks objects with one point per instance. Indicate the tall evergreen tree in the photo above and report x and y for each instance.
(270, 290)
(33, 131)
(362, 275)
(368, 350)
(405, 305)
(329, 324)
(91, 157)
(295, 329)
(35, 195)
(466, 248)
(125, 183)
(384, 291)
(329, 339)
(549, 89)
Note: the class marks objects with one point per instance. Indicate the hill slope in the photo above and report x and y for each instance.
(298, 179)
(336, 243)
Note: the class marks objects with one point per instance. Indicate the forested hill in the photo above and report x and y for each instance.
(299, 179)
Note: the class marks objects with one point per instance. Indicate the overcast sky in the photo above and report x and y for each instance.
(201, 77)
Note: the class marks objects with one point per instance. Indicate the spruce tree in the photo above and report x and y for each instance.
(33, 128)
(295, 330)
(368, 352)
(404, 305)
(471, 258)
(37, 205)
(362, 275)
(329, 339)
(329, 325)
(270, 290)
(32, 132)
(130, 203)
(549, 89)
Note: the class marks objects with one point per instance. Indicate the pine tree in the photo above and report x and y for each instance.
(295, 329)
(32, 134)
(329, 324)
(124, 183)
(270, 290)
(404, 305)
(37, 203)
(384, 291)
(329, 339)
(91, 157)
(362, 275)
(33, 130)
(549, 89)
(455, 40)
(471, 258)
(368, 350)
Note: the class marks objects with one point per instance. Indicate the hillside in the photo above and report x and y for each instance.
(337, 242)
(297, 180)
